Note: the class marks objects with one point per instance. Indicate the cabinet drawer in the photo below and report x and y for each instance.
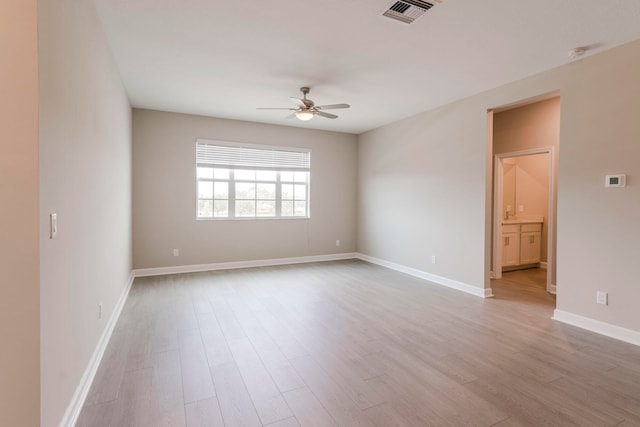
(515, 228)
(531, 227)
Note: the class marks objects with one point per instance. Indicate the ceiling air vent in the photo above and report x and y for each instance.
(407, 11)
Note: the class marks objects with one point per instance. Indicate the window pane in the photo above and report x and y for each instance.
(221, 190)
(300, 176)
(286, 209)
(245, 190)
(300, 208)
(224, 192)
(267, 191)
(266, 208)
(205, 190)
(220, 208)
(287, 191)
(203, 172)
(221, 173)
(245, 208)
(245, 175)
(266, 175)
(301, 192)
(205, 208)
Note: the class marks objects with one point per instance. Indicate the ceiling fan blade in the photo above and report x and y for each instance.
(298, 102)
(305, 108)
(332, 106)
(327, 115)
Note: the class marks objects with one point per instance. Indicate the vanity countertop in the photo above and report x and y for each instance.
(529, 220)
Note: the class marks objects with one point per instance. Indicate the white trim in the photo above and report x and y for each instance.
(603, 328)
(498, 199)
(194, 268)
(473, 290)
(488, 207)
(75, 406)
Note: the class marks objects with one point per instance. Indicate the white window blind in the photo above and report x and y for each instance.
(234, 156)
(243, 181)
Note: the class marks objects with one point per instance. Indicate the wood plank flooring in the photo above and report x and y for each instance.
(349, 343)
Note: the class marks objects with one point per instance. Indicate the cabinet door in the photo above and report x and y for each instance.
(510, 249)
(530, 247)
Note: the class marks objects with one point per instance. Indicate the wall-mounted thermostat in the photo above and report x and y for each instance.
(615, 180)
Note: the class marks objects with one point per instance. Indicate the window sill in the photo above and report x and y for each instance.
(296, 218)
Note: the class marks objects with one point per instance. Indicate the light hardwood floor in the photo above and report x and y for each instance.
(352, 344)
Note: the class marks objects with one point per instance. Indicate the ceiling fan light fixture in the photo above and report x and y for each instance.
(304, 115)
(306, 109)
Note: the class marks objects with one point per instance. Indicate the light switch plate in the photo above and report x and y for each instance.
(53, 225)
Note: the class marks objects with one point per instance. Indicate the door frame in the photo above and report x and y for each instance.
(496, 267)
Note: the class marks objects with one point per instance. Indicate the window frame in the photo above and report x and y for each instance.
(238, 164)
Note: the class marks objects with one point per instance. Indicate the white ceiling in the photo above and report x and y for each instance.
(225, 58)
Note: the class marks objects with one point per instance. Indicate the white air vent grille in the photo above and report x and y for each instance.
(407, 11)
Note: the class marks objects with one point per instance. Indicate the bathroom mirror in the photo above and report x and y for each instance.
(508, 187)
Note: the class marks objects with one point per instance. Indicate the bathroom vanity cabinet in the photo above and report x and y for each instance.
(520, 244)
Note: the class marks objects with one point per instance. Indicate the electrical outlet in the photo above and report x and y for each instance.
(433, 259)
(176, 252)
(602, 298)
(337, 242)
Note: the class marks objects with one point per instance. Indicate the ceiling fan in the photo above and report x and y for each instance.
(306, 108)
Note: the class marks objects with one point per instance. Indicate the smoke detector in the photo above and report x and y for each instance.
(408, 11)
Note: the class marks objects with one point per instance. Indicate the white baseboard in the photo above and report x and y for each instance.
(603, 328)
(159, 271)
(473, 290)
(239, 264)
(75, 406)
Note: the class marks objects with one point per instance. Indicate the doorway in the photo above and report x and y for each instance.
(521, 231)
(524, 214)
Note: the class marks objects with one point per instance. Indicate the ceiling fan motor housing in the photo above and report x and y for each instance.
(307, 102)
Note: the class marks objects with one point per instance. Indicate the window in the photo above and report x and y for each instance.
(237, 181)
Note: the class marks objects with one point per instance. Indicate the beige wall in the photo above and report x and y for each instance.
(598, 227)
(85, 176)
(19, 302)
(423, 185)
(530, 126)
(164, 194)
